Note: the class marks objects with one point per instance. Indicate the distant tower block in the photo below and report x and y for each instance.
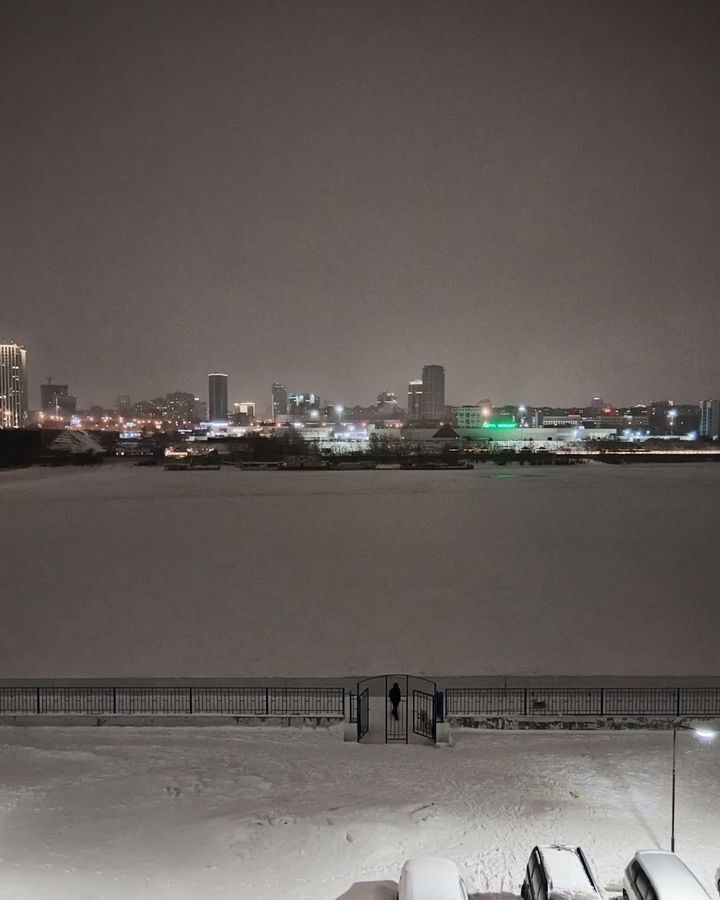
(217, 397)
(414, 406)
(433, 398)
(279, 400)
(13, 385)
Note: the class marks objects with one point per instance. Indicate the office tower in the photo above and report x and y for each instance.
(56, 399)
(432, 405)
(178, 407)
(303, 406)
(659, 416)
(13, 385)
(245, 408)
(710, 419)
(279, 401)
(123, 403)
(597, 404)
(218, 397)
(414, 407)
(198, 411)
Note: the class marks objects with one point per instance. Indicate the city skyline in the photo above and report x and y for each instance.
(34, 390)
(515, 190)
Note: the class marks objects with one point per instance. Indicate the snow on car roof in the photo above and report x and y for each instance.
(670, 876)
(565, 870)
(431, 878)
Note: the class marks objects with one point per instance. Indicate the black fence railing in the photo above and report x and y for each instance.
(330, 702)
(479, 702)
(169, 701)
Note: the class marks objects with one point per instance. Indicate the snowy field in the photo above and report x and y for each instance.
(587, 570)
(185, 814)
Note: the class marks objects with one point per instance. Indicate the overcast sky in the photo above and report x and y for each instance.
(331, 194)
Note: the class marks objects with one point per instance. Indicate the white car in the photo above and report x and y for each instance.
(431, 878)
(660, 875)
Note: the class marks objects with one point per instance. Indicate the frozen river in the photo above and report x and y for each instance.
(587, 570)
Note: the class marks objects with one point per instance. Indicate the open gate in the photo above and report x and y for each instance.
(424, 714)
(363, 713)
(396, 709)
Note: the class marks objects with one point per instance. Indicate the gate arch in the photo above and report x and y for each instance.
(396, 709)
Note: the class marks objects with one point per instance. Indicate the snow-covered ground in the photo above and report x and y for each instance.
(589, 570)
(183, 814)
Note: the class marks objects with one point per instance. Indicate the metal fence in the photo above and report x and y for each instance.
(169, 701)
(480, 702)
(330, 702)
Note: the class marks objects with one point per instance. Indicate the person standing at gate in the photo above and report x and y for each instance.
(395, 696)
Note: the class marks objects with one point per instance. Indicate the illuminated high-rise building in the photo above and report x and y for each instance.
(303, 406)
(217, 397)
(710, 419)
(432, 406)
(13, 385)
(279, 400)
(414, 406)
(179, 407)
(244, 408)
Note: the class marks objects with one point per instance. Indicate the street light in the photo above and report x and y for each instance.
(672, 415)
(339, 410)
(705, 731)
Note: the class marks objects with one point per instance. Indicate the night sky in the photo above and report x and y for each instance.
(331, 194)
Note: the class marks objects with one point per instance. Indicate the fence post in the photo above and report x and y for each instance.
(677, 704)
(526, 699)
(602, 701)
(267, 701)
(114, 700)
(37, 700)
(190, 700)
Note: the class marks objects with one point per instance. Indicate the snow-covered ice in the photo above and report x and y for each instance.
(587, 570)
(184, 814)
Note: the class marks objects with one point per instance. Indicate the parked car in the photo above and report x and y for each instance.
(558, 872)
(431, 878)
(660, 875)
